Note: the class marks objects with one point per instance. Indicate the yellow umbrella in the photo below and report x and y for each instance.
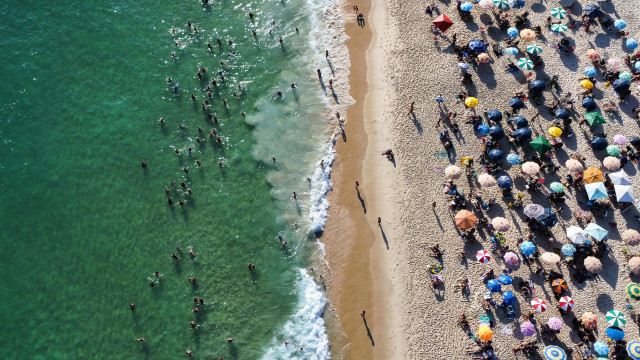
(471, 102)
(592, 175)
(484, 58)
(555, 131)
(527, 34)
(586, 84)
(485, 333)
(593, 54)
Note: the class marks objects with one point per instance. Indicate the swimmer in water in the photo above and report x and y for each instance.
(132, 307)
(141, 339)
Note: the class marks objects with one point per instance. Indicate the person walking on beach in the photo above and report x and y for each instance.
(357, 186)
(379, 221)
(411, 107)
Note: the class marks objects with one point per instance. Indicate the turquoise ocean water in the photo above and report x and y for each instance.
(84, 226)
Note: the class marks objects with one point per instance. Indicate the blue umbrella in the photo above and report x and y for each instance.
(527, 248)
(588, 103)
(517, 103)
(632, 43)
(523, 134)
(516, 4)
(505, 182)
(463, 66)
(494, 115)
(513, 32)
(496, 155)
(493, 285)
(615, 333)
(513, 50)
(538, 86)
(590, 71)
(520, 122)
(548, 218)
(601, 348)
(593, 11)
(620, 24)
(599, 143)
(509, 298)
(568, 250)
(637, 65)
(483, 129)
(477, 46)
(513, 159)
(466, 6)
(596, 231)
(554, 353)
(562, 114)
(621, 85)
(496, 133)
(596, 190)
(505, 279)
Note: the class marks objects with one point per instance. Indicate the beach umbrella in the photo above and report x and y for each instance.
(530, 168)
(483, 256)
(566, 303)
(615, 333)
(559, 285)
(620, 139)
(501, 4)
(589, 319)
(596, 190)
(611, 163)
(601, 348)
(465, 219)
(586, 84)
(494, 285)
(616, 318)
(593, 265)
(558, 13)
(631, 43)
(592, 174)
(471, 102)
(592, 11)
(576, 235)
(496, 155)
(625, 75)
(500, 224)
(505, 279)
(537, 86)
(614, 62)
(442, 22)
(637, 65)
(619, 178)
(483, 129)
(596, 231)
(621, 85)
(516, 4)
(631, 237)
(527, 328)
(513, 159)
(556, 187)
(633, 291)
(534, 49)
(555, 131)
(516, 103)
(548, 218)
(520, 122)
(568, 250)
(593, 54)
(463, 66)
(486, 180)
(554, 352)
(477, 46)
(452, 172)
(635, 141)
(634, 265)
(505, 182)
(513, 32)
(494, 115)
(550, 258)
(594, 118)
(512, 50)
(523, 134)
(466, 6)
(511, 258)
(539, 305)
(496, 132)
(555, 324)
(509, 298)
(484, 58)
(486, 4)
(633, 349)
(590, 71)
(620, 24)
(574, 165)
(527, 34)
(485, 333)
(599, 143)
(524, 63)
(613, 150)
(562, 114)
(624, 193)
(559, 28)
(533, 210)
(527, 248)
(541, 145)
(588, 103)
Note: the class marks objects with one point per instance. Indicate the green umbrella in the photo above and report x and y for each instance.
(534, 49)
(616, 318)
(594, 118)
(613, 150)
(559, 28)
(557, 187)
(625, 75)
(558, 13)
(633, 290)
(501, 4)
(525, 64)
(540, 145)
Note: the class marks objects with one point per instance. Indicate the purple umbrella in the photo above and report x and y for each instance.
(527, 328)
(511, 258)
(555, 323)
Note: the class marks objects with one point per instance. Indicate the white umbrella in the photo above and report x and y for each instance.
(619, 178)
(530, 168)
(487, 180)
(500, 224)
(550, 257)
(631, 237)
(452, 172)
(533, 210)
(611, 163)
(574, 165)
(577, 235)
(624, 193)
(593, 265)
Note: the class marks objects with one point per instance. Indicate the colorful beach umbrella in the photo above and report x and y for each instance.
(530, 168)
(512, 50)
(596, 231)
(516, 103)
(620, 139)
(466, 6)
(594, 118)
(483, 256)
(505, 279)
(516, 4)
(537, 86)
(592, 174)
(625, 75)
(554, 353)
(615, 334)
(523, 134)
(633, 291)
(596, 190)
(465, 219)
(593, 265)
(486, 4)
(559, 13)
(442, 22)
(601, 348)
(501, 4)
(620, 24)
(548, 218)
(559, 286)
(556, 187)
(511, 258)
(527, 34)
(624, 193)
(558, 28)
(566, 303)
(496, 132)
(615, 318)
(483, 129)
(621, 85)
(555, 131)
(509, 298)
(484, 58)
(485, 333)
(588, 103)
(590, 71)
(527, 328)
(513, 32)
(619, 178)
(471, 102)
(613, 150)
(539, 305)
(599, 143)
(534, 49)
(589, 319)
(586, 84)
(631, 43)
(555, 323)
(533, 210)
(527, 248)
(494, 285)
(574, 165)
(505, 182)
(541, 145)
(593, 54)
(494, 115)
(611, 163)
(631, 237)
(634, 265)
(562, 114)
(576, 235)
(633, 349)
(568, 250)
(593, 11)
(524, 63)
(513, 159)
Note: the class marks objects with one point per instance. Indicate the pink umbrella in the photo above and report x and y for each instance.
(539, 305)
(620, 139)
(555, 323)
(566, 303)
(483, 256)
(511, 258)
(613, 62)
(527, 328)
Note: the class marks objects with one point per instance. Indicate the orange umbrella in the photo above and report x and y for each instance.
(559, 285)
(593, 54)
(590, 320)
(527, 34)
(465, 219)
(484, 58)
(485, 333)
(592, 174)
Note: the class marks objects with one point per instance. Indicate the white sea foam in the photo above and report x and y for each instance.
(320, 186)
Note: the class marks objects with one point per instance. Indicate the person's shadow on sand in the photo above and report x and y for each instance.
(364, 207)
(368, 331)
(384, 236)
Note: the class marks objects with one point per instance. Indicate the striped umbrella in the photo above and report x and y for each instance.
(566, 303)
(554, 353)
(512, 50)
(633, 349)
(558, 28)
(534, 49)
(633, 290)
(483, 256)
(525, 64)
(501, 4)
(539, 305)
(615, 318)
(558, 13)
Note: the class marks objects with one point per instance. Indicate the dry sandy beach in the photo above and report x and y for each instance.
(383, 269)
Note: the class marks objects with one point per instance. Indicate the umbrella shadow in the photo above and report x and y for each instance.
(604, 302)
(488, 77)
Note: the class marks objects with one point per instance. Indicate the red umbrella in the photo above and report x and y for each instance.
(442, 22)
